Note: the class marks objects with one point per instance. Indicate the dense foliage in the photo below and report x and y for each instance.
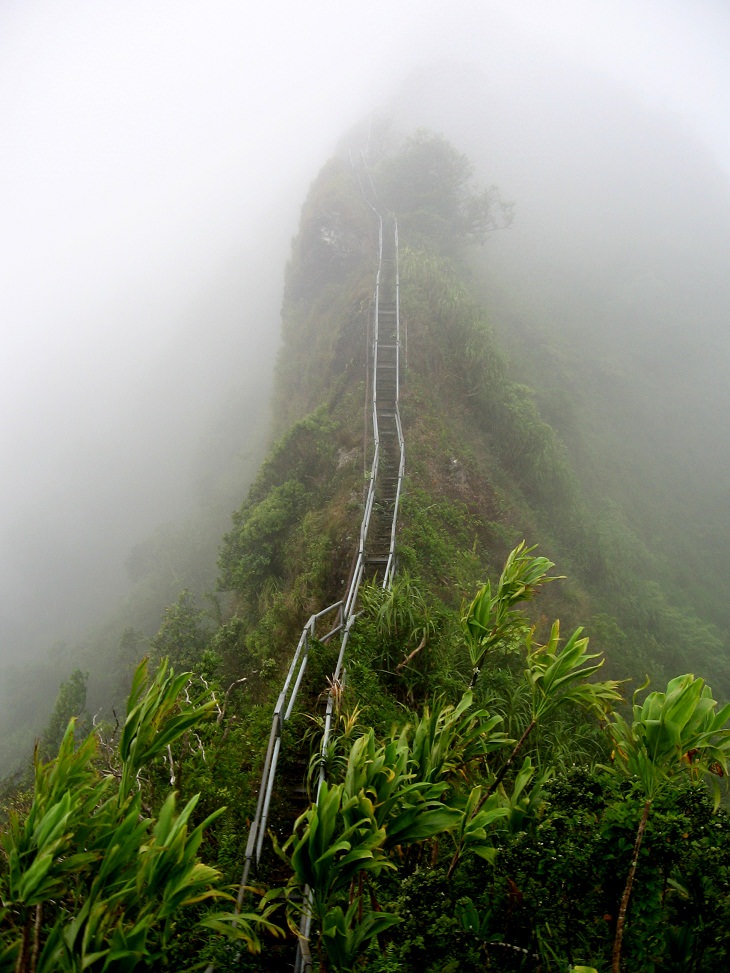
(463, 836)
(489, 801)
(98, 870)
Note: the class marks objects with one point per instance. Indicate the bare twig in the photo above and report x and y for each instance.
(624, 907)
(172, 765)
(201, 747)
(411, 655)
(36, 936)
(222, 712)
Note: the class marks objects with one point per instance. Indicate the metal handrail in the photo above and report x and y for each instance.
(346, 610)
(282, 712)
(390, 566)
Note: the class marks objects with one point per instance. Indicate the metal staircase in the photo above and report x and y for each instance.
(387, 432)
(375, 556)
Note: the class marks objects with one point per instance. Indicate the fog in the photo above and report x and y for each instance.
(153, 161)
(153, 164)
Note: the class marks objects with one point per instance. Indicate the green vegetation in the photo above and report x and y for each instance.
(99, 869)
(452, 839)
(489, 801)
(431, 184)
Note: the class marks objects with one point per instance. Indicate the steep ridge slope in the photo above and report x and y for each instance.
(375, 555)
(609, 297)
(422, 780)
(485, 469)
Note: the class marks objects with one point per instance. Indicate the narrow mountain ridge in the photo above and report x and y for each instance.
(485, 469)
(466, 786)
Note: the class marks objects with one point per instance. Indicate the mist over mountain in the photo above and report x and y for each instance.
(142, 446)
(608, 295)
(513, 271)
(609, 291)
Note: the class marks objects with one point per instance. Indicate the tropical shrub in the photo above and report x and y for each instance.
(99, 871)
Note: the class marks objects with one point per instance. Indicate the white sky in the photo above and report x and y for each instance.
(139, 137)
(142, 141)
(673, 52)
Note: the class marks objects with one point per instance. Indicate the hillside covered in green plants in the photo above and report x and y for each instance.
(484, 468)
(503, 790)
